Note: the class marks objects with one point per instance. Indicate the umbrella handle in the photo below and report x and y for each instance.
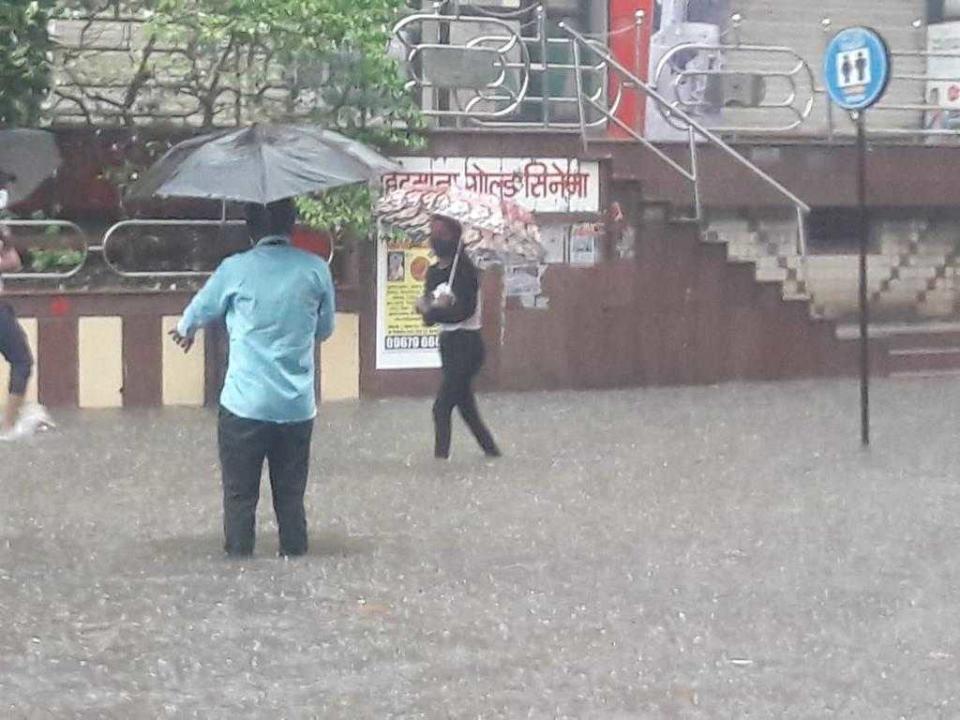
(456, 264)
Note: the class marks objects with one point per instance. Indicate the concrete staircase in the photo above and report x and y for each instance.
(682, 312)
(914, 290)
(911, 349)
(913, 294)
(908, 280)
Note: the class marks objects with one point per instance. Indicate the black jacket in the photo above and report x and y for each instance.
(466, 290)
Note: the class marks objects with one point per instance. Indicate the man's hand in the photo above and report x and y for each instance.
(423, 305)
(181, 340)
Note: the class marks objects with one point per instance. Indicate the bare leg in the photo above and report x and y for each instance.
(12, 412)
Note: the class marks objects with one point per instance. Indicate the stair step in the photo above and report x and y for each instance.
(916, 334)
(925, 351)
(929, 374)
(923, 360)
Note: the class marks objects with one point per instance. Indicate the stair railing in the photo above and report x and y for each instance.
(695, 129)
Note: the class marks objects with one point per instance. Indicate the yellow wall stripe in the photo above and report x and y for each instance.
(183, 375)
(101, 362)
(340, 361)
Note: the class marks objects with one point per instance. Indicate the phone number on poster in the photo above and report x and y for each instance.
(417, 342)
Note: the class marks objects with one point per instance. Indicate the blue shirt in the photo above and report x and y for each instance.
(277, 301)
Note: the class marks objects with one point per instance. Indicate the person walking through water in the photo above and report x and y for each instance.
(18, 421)
(13, 342)
(278, 302)
(451, 299)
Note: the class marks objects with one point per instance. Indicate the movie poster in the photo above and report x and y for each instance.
(403, 341)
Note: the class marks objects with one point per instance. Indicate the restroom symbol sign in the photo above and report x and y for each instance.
(854, 68)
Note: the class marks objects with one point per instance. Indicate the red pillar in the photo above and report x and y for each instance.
(631, 48)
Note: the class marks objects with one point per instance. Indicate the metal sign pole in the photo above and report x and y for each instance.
(864, 300)
(857, 69)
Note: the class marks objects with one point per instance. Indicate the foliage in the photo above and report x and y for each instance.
(224, 63)
(321, 60)
(24, 69)
(332, 58)
(54, 260)
(344, 212)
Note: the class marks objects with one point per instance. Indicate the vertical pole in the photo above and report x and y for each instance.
(827, 24)
(580, 99)
(802, 284)
(444, 97)
(222, 230)
(631, 49)
(545, 64)
(695, 171)
(864, 301)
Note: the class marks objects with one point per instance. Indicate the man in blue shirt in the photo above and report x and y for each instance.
(278, 301)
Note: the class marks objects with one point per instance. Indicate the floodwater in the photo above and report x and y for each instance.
(686, 553)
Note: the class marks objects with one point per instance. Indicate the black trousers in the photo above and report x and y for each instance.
(462, 354)
(244, 445)
(15, 349)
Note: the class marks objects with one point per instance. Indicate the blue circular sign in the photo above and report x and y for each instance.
(856, 68)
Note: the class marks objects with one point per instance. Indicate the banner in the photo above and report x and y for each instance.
(542, 185)
(403, 341)
(943, 90)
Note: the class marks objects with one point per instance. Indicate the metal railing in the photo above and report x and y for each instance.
(107, 249)
(742, 77)
(113, 233)
(917, 80)
(918, 83)
(510, 69)
(694, 129)
(50, 229)
(502, 76)
(146, 230)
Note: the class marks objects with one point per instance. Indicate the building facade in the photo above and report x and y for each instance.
(695, 189)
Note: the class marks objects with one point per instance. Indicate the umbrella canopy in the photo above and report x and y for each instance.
(494, 230)
(31, 156)
(261, 164)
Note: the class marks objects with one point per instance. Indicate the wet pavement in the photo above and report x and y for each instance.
(687, 553)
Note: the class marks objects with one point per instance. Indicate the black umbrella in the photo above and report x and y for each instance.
(261, 164)
(29, 156)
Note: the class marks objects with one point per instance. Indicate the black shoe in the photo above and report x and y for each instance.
(493, 453)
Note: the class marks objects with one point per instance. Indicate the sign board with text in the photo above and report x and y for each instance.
(542, 185)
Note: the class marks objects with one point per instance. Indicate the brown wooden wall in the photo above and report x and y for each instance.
(678, 314)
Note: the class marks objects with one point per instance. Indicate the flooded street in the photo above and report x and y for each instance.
(686, 553)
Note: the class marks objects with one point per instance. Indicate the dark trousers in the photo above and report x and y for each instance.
(15, 349)
(462, 353)
(244, 445)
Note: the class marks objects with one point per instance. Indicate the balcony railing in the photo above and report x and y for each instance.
(474, 68)
(504, 70)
